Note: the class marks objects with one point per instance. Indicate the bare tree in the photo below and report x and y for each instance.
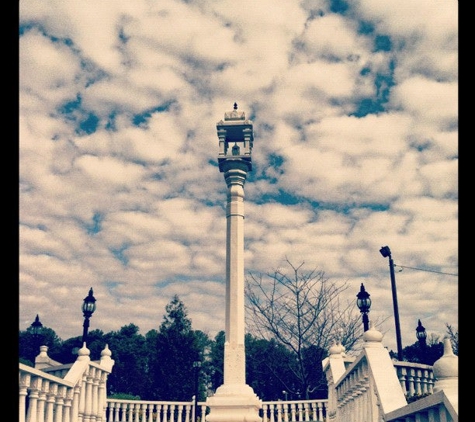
(302, 311)
(454, 338)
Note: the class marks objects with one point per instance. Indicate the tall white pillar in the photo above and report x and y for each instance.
(234, 401)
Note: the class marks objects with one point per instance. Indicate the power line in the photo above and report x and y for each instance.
(422, 269)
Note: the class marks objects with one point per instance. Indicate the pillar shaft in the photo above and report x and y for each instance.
(234, 354)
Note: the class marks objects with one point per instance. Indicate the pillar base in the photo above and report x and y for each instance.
(234, 403)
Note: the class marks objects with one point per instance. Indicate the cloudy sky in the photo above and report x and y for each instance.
(354, 106)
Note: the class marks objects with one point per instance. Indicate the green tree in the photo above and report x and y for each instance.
(176, 347)
(68, 350)
(205, 367)
(430, 351)
(268, 368)
(29, 344)
(216, 356)
(420, 353)
(130, 373)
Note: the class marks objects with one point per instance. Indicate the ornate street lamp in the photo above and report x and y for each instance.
(36, 327)
(386, 253)
(88, 308)
(364, 303)
(421, 334)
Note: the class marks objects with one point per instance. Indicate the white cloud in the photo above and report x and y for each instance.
(138, 211)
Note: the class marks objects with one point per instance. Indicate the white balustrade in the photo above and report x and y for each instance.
(294, 411)
(358, 392)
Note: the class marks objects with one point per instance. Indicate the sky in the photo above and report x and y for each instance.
(354, 107)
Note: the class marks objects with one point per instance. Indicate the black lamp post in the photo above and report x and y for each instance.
(364, 303)
(386, 253)
(88, 308)
(36, 327)
(421, 334)
(196, 367)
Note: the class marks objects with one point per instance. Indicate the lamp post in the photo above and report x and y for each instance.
(285, 393)
(386, 253)
(88, 308)
(196, 367)
(364, 303)
(36, 327)
(421, 334)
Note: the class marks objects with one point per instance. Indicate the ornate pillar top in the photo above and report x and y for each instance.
(236, 140)
(235, 114)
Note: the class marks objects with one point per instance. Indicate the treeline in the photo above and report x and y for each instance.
(175, 362)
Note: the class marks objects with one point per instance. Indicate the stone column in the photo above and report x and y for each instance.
(234, 401)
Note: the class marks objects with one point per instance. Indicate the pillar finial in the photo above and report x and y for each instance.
(235, 106)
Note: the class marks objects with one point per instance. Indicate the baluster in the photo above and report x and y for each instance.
(172, 413)
(418, 382)
(68, 400)
(272, 413)
(88, 403)
(306, 411)
(425, 374)
(411, 382)
(102, 397)
(58, 411)
(320, 412)
(130, 417)
(159, 414)
(150, 412)
(132, 412)
(293, 412)
(137, 408)
(50, 401)
(285, 405)
(300, 413)
(430, 382)
(75, 403)
(109, 412)
(180, 413)
(147, 411)
(141, 412)
(117, 410)
(264, 412)
(32, 407)
(95, 412)
(275, 414)
(42, 401)
(82, 398)
(25, 380)
(188, 410)
(313, 407)
(203, 413)
(124, 413)
(402, 378)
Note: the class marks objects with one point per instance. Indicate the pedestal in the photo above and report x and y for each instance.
(234, 403)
